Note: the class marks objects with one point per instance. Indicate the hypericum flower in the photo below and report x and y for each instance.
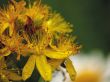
(40, 34)
(9, 15)
(37, 12)
(55, 23)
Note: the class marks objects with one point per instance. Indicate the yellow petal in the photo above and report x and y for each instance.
(43, 67)
(11, 28)
(55, 63)
(28, 68)
(57, 54)
(70, 69)
(3, 28)
(5, 52)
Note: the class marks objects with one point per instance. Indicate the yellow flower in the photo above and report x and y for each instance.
(56, 23)
(38, 59)
(42, 65)
(44, 46)
(61, 47)
(11, 45)
(9, 15)
(37, 32)
(37, 12)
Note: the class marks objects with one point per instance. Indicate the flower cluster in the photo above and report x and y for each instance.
(34, 30)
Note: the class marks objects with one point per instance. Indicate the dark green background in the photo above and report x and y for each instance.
(91, 20)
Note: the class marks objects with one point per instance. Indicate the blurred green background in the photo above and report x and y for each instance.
(91, 20)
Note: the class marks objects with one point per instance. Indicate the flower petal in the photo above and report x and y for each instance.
(3, 27)
(11, 29)
(55, 63)
(70, 69)
(43, 67)
(4, 52)
(57, 54)
(28, 68)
